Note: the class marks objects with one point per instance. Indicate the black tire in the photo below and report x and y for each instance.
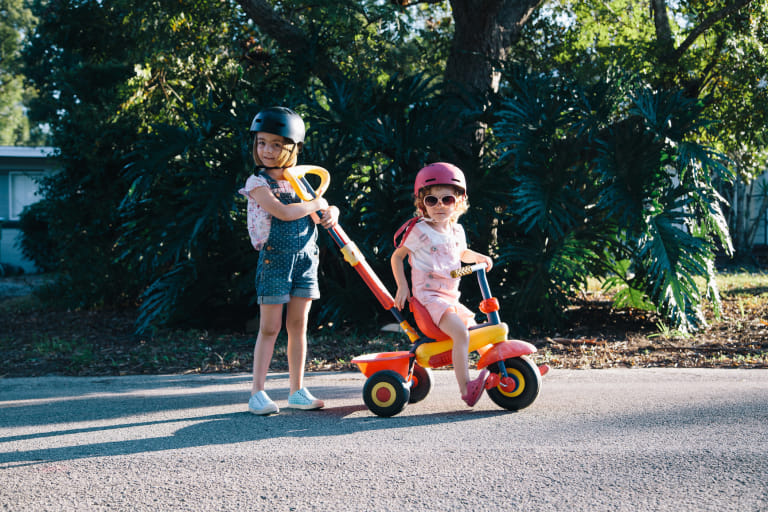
(527, 380)
(421, 383)
(386, 393)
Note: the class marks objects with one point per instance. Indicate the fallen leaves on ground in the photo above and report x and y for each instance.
(36, 342)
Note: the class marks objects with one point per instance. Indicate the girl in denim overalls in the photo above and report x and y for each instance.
(435, 244)
(288, 261)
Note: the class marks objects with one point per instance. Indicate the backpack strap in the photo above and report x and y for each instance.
(272, 182)
(405, 230)
(274, 187)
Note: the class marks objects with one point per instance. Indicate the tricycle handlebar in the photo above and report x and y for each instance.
(295, 175)
(465, 271)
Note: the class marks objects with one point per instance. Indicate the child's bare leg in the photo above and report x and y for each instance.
(270, 320)
(452, 325)
(296, 320)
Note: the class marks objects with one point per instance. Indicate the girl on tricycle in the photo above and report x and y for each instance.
(435, 245)
(395, 379)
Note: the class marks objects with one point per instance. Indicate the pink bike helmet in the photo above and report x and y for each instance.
(440, 173)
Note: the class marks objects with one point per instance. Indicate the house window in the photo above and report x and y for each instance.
(23, 191)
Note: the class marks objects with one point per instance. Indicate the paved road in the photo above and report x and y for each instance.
(594, 440)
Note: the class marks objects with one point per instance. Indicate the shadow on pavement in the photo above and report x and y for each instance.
(152, 408)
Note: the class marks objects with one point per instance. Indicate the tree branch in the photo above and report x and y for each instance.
(707, 24)
(291, 39)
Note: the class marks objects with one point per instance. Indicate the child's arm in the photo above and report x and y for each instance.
(398, 270)
(287, 212)
(470, 256)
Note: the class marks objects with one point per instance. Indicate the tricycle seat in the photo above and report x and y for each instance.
(424, 321)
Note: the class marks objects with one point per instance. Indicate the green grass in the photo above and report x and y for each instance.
(748, 282)
(740, 281)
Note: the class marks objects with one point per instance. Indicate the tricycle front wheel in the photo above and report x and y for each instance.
(521, 387)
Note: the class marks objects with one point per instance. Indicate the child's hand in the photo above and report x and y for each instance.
(315, 205)
(330, 217)
(401, 296)
(470, 256)
(320, 203)
(482, 258)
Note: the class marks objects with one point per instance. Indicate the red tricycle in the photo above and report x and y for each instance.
(396, 379)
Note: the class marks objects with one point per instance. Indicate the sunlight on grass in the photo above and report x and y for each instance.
(667, 333)
(735, 282)
(743, 282)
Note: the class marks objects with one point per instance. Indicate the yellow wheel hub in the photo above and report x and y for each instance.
(383, 394)
(515, 374)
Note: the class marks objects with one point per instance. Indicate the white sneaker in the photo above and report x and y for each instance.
(303, 399)
(260, 403)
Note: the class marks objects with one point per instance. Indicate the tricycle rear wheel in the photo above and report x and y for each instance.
(421, 383)
(527, 383)
(386, 393)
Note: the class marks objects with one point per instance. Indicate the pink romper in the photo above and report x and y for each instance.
(432, 257)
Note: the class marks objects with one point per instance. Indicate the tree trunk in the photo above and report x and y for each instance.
(484, 31)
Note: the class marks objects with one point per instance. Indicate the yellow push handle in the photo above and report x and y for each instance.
(295, 174)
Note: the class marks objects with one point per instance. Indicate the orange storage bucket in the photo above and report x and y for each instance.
(395, 361)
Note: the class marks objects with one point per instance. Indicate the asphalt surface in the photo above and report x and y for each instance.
(655, 439)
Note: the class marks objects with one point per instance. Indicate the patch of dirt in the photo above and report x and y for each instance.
(36, 342)
(601, 337)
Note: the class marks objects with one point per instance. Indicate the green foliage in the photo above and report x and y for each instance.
(37, 244)
(709, 50)
(598, 185)
(181, 227)
(16, 21)
(724, 60)
(588, 174)
(168, 229)
(108, 75)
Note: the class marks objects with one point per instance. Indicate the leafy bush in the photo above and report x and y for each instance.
(605, 181)
(36, 243)
(573, 180)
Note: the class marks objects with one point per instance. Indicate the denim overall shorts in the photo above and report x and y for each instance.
(289, 260)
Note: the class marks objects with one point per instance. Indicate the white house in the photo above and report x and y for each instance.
(20, 168)
(754, 200)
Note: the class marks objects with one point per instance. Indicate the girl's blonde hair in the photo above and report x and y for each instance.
(288, 157)
(462, 204)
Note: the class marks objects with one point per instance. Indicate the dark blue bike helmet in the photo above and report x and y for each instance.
(280, 121)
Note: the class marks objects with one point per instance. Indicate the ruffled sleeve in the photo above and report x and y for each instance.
(251, 183)
(259, 221)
